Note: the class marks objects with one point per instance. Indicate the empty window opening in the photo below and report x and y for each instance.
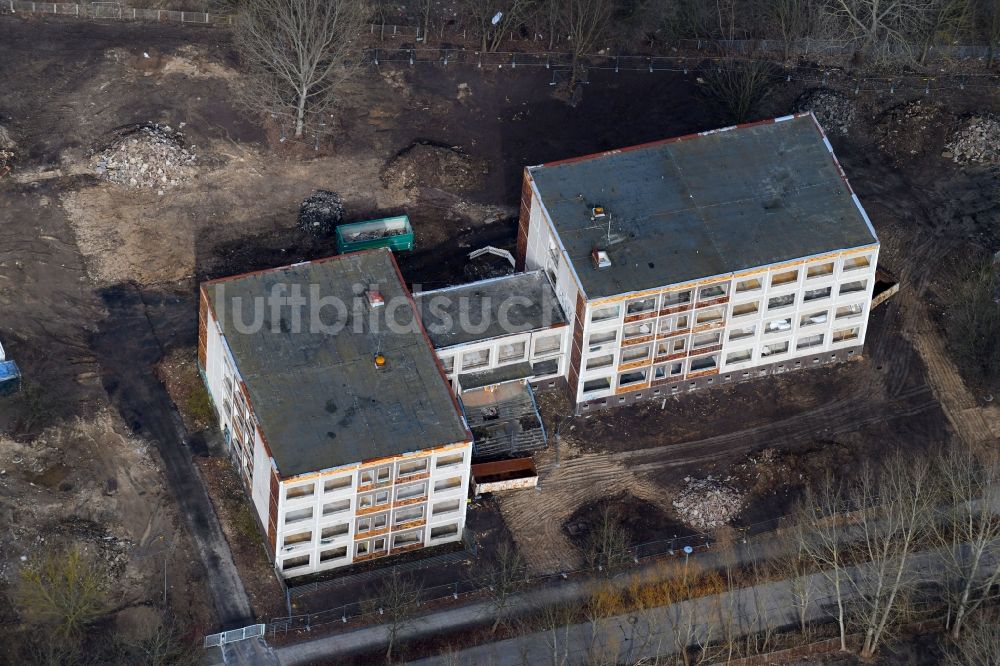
(674, 298)
(852, 287)
(443, 508)
(810, 341)
(743, 309)
(334, 531)
(407, 539)
(704, 363)
(641, 305)
(816, 294)
(333, 554)
(846, 334)
(819, 270)
(599, 384)
(298, 516)
(787, 277)
(780, 301)
(444, 531)
(548, 344)
(814, 318)
(850, 311)
(407, 515)
(600, 361)
(295, 562)
(855, 263)
(712, 291)
(475, 359)
(336, 507)
(449, 460)
(739, 357)
(298, 537)
(750, 284)
(633, 354)
(632, 377)
(709, 316)
(702, 340)
(337, 483)
(777, 325)
(411, 491)
(602, 338)
(449, 364)
(638, 330)
(512, 352)
(774, 349)
(295, 492)
(447, 484)
(742, 333)
(411, 467)
(605, 313)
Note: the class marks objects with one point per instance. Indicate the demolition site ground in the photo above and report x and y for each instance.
(98, 296)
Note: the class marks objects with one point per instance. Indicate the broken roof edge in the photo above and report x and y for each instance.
(675, 139)
(875, 245)
(554, 233)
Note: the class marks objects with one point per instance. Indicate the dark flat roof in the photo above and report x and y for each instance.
(501, 375)
(495, 307)
(702, 205)
(318, 397)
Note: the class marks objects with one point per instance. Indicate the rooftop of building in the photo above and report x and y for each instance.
(489, 309)
(318, 396)
(702, 205)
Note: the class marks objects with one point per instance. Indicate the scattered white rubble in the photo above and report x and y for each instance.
(150, 156)
(834, 111)
(708, 503)
(978, 140)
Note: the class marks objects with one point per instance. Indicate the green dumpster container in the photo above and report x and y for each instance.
(394, 233)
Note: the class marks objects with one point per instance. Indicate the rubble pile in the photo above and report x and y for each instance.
(6, 148)
(978, 140)
(375, 235)
(150, 155)
(910, 129)
(430, 165)
(321, 212)
(834, 111)
(708, 503)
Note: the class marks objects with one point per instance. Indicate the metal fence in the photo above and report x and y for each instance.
(113, 10)
(466, 587)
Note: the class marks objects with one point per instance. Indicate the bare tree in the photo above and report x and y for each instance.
(793, 20)
(297, 52)
(396, 601)
(738, 86)
(608, 543)
(940, 20)
(493, 21)
(969, 532)
(893, 504)
(586, 23)
(986, 19)
(978, 646)
(878, 29)
(65, 590)
(974, 322)
(820, 532)
(503, 576)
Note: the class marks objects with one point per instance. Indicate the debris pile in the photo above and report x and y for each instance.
(150, 155)
(978, 140)
(429, 165)
(6, 148)
(321, 212)
(375, 234)
(910, 129)
(834, 111)
(708, 503)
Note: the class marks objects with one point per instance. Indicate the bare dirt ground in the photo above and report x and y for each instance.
(97, 280)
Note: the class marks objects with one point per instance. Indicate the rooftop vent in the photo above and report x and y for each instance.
(597, 212)
(600, 259)
(375, 299)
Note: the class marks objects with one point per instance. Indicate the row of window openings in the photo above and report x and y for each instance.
(368, 523)
(371, 546)
(703, 363)
(671, 299)
(376, 475)
(670, 324)
(507, 353)
(712, 338)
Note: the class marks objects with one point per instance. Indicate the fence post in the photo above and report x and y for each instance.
(182, 16)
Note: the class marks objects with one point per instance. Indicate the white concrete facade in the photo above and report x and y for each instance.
(336, 517)
(545, 349)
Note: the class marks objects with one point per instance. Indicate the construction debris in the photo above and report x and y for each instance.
(150, 156)
(834, 111)
(910, 129)
(321, 212)
(430, 165)
(706, 504)
(7, 146)
(978, 140)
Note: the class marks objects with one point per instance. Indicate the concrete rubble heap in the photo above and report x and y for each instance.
(708, 503)
(321, 212)
(6, 148)
(978, 140)
(151, 156)
(834, 111)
